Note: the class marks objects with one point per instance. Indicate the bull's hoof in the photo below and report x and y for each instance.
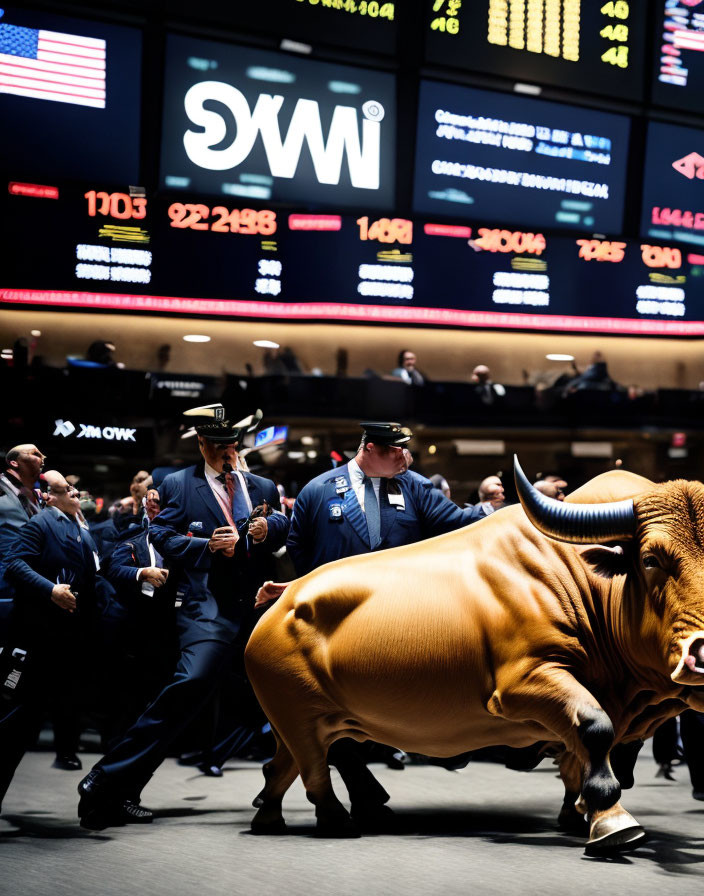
(614, 831)
(268, 828)
(375, 819)
(339, 829)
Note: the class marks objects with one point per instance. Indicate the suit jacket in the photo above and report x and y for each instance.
(218, 591)
(328, 522)
(50, 549)
(12, 517)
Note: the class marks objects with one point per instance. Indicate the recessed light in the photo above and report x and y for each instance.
(307, 440)
(432, 449)
(196, 337)
(265, 343)
(559, 357)
(35, 332)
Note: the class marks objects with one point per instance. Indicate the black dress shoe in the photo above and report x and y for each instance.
(112, 815)
(67, 762)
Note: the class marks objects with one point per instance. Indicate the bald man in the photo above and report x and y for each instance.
(54, 571)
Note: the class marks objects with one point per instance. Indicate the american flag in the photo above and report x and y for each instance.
(49, 65)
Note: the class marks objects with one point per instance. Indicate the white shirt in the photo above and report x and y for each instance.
(219, 489)
(357, 477)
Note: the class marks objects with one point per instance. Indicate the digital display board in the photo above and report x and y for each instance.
(368, 25)
(502, 157)
(69, 97)
(678, 76)
(673, 185)
(111, 251)
(590, 45)
(240, 122)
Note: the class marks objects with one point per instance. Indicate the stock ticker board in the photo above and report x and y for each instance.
(673, 185)
(678, 79)
(104, 249)
(588, 45)
(483, 155)
(249, 124)
(69, 96)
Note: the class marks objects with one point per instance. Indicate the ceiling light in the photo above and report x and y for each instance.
(432, 449)
(35, 332)
(265, 343)
(307, 440)
(556, 356)
(312, 454)
(196, 337)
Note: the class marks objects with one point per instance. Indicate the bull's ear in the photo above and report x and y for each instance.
(608, 561)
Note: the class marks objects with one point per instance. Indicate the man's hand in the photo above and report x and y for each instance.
(258, 529)
(62, 597)
(154, 575)
(224, 539)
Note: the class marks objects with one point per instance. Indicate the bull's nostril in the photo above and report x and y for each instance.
(696, 650)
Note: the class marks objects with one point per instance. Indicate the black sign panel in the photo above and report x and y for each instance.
(678, 65)
(673, 186)
(69, 97)
(263, 126)
(502, 157)
(589, 45)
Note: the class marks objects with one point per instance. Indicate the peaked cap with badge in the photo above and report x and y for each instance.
(391, 434)
(212, 424)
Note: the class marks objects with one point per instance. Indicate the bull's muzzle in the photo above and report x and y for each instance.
(690, 669)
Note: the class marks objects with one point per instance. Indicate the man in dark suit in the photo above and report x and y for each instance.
(217, 532)
(331, 517)
(18, 501)
(54, 571)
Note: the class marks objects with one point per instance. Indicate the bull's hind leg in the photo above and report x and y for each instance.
(555, 700)
(279, 773)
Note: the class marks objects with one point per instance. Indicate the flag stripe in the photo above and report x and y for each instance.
(70, 49)
(37, 84)
(68, 59)
(76, 71)
(52, 95)
(73, 38)
(56, 73)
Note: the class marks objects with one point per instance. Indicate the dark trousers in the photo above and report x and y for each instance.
(146, 744)
(692, 731)
(21, 719)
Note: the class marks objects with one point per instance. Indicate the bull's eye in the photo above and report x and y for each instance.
(650, 561)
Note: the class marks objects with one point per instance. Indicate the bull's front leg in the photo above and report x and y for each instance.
(550, 698)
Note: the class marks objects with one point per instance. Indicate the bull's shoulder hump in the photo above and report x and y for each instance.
(614, 485)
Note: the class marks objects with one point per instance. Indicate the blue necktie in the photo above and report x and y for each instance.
(371, 510)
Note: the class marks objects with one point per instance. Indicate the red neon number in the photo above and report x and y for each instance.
(601, 250)
(506, 241)
(661, 256)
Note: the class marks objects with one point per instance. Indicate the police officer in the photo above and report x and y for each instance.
(372, 503)
(217, 532)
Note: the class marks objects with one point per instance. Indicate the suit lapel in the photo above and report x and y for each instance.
(351, 509)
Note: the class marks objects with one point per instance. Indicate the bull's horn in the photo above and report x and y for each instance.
(574, 523)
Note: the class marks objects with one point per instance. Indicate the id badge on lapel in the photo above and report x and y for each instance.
(395, 495)
(335, 510)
